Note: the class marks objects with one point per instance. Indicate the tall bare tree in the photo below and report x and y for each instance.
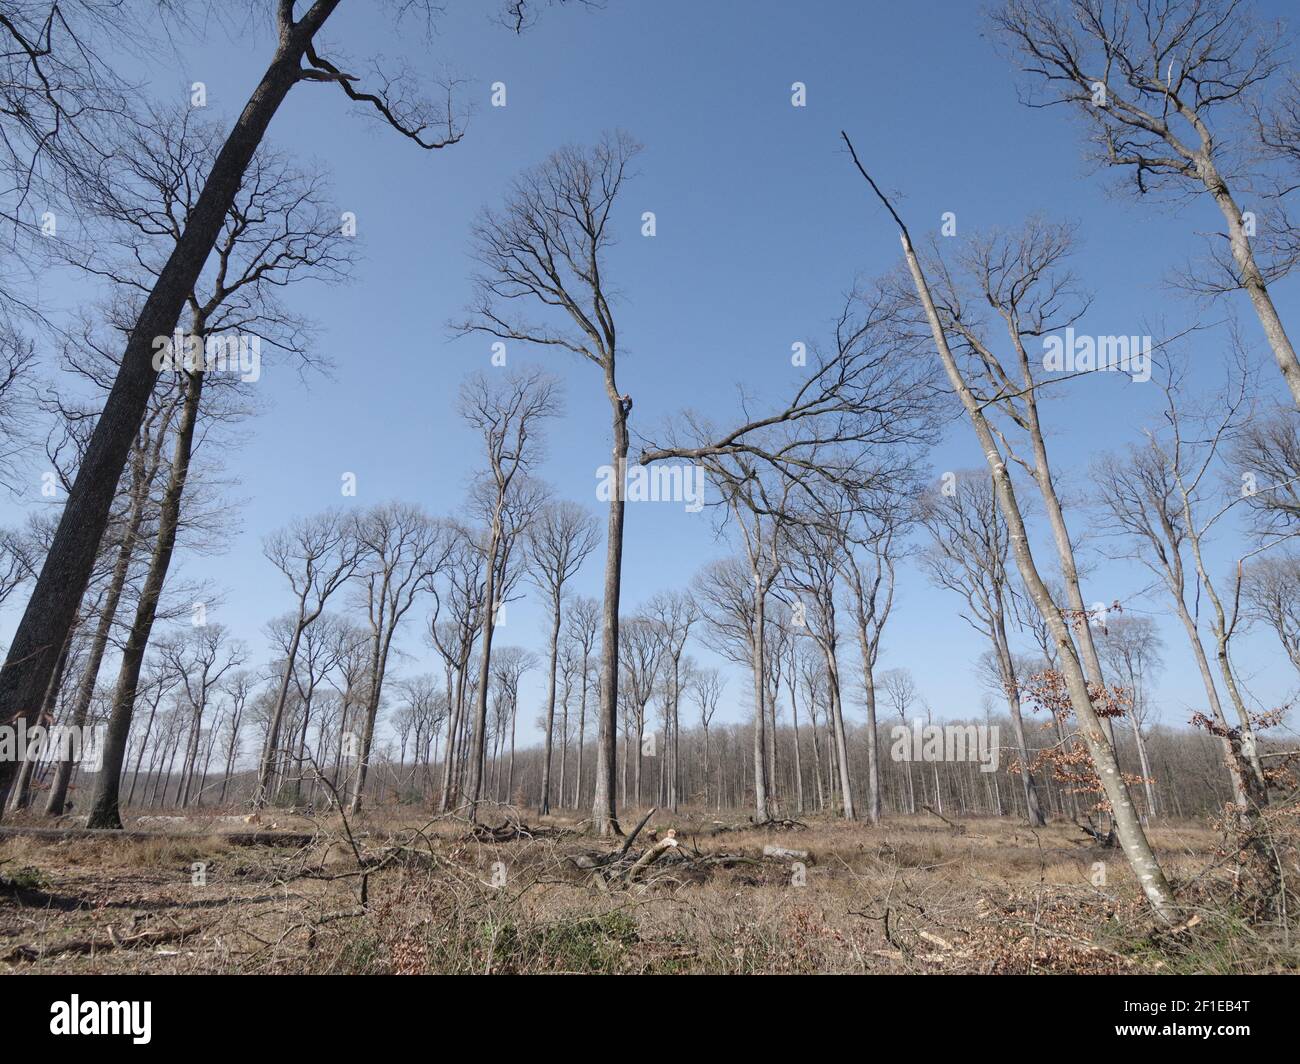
(508, 414)
(1006, 292)
(402, 549)
(583, 628)
(1131, 649)
(969, 556)
(317, 555)
(557, 542)
(547, 249)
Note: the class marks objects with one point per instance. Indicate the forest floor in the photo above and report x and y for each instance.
(392, 892)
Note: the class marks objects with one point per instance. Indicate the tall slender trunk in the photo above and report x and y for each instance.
(582, 730)
(1132, 839)
(1148, 783)
(1011, 688)
(794, 720)
(841, 739)
(761, 810)
(104, 812)
(1236, 771)
(477, 751)
(873, 738)
(550, 711)
(144, 745)
(266, 767)
(99, 644)
(604, 815)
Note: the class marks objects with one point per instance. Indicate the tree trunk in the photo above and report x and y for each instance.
(50, 610)
(108, 612)
(266, 768)
(1131, 836)
(604, 815)
(550, 713)
(761, 811)
(1251, 277)
(477, 752)
(104, 812)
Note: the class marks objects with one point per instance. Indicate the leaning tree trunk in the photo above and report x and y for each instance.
(1236, 770)
(1133, 840)
(52, 606)
(86, 688)
(1252, 280)
(266, 766)
(22, 788)
(104, 812)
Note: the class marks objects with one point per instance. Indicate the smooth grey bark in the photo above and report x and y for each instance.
(1132, 839)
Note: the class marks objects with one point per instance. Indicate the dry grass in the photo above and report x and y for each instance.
(911, 896)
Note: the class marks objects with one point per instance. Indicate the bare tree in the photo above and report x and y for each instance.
(901, 693)
(146, 460)
(1131, 650)
(557, 542)
(676, 613)
(277, 231)
(1265, 451)
(813, 563)
(53, 602)
(969, 556)
(547, 248)
(1159, 496)
(706, 686)
(509, 666)
(458, 597)
(201, 657)
(402, 549)
(508, 414)
(643, 646)
(1159, 82)
(1272, 590)
(1007, 293)
(317, 555)
(583, 628)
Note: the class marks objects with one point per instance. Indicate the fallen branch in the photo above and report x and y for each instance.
(960, 829)
(100, 945)
(651, 856)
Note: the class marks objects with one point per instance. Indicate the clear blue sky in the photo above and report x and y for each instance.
(762, 224)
